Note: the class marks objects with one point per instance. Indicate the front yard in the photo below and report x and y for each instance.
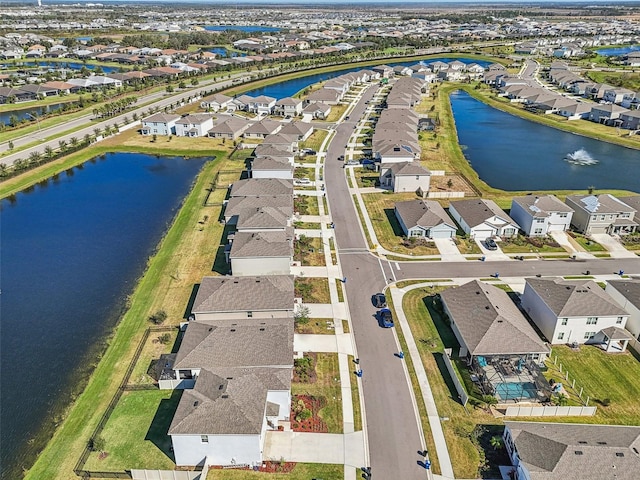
(312, 289)
(522, 244)
(586, 243)
(306, 205)
(301, 471)
(314, 142)
(309, 251)
(380, 207)
(315, 326)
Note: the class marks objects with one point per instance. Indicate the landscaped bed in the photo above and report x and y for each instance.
(300, 471)
(586, 243)
(522, 244)
(309, 251)
(317, 399)
(306, 205)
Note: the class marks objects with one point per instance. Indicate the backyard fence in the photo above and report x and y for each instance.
(550, 411)
(462, 393)
(563, 373)
(445, 195)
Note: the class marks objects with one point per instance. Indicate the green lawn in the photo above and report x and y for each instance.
(151, 352)
(307, 225)
(316, 326)
(306, 205)
(309, 251)
(302, 471)
(587, 244)
(136, 433)
(314, 142)
(304, 172)
(604, 375)
(327, 385)
(340, 291)
(312, 289)
(355, 397)
(522, 244)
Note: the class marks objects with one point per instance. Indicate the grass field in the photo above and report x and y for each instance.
(309, 251)
(151, 352)
(327, 385)
(302, 471)
(355, 398)
(316, 326)
(312, 290)
(136, 433)
(314, 142)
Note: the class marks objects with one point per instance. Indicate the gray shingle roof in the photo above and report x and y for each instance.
(262, 244)
(262, 217)
(575, 298)
(423, 213)
(489, 322)
(633, 201)
(247, 345)
(477, 211)
(629, 289)
(604, 203)
(228, 401)
(244, 294)
(541, 206)
(548, 450)
(271, 163)
(408, 168)
(237, 205)
(262, 187)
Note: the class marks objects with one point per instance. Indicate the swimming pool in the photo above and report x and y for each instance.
(516, 391)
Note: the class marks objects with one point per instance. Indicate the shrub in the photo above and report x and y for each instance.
(97, 444)
(158, 318)
(164, 338)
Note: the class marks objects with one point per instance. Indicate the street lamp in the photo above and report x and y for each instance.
(37, 121)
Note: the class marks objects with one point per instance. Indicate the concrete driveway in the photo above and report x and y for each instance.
(492, 255)
(305, 447)
(615, 248)
(448, 250)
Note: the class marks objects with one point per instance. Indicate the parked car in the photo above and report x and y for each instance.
(386, 318)
(301, 181)
(491, 244)
(341, 158)
(379, 300)
(368, 161)
(353, 162)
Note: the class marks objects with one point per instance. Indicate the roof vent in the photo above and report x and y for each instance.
(582, 442)
(195, 404)
(619, 454)
(229, 378)
(235, 281)
(262, 329)
(578, 452)
(233, 329)
(601, 443)
(220, 387)
(487, 307)
(211, 329)
(225, 396)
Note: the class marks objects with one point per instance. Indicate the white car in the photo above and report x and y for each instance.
(302, 181)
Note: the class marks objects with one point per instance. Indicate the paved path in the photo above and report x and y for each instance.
(613, 246)
(335, 448)
(448, 249)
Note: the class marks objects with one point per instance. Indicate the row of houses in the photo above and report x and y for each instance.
(531, 214)
(609, 105)
(236, 358)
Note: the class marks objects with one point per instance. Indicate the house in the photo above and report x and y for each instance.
(601, 214)
(160, 124)
(40, 90)
(630, 120)
(288, 107)
(497, 342)
(271, 151)
(262, 253)
(481, 219)
(539, 215)
(231, 127)
(560, 451)
(235, 206)
(194, 125)
(299, 130)
(316, 111)
(326, 96)
(269, 296)
(261, 129)
(405, 177)
(627, 294)
(262, 219)
(224, 419)
(424, 219)
(606, 114)
(281, 142)
(262, 105)
(571, 311)
(13, 95)
(216, 102)
(256, 187)
(575, 111)
(271, 167)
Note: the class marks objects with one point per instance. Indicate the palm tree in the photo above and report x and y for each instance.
(87, 139)
(496, 442)
(74, 142)
(35, 157)
(63, 145)
(48, 152)
(96, 131)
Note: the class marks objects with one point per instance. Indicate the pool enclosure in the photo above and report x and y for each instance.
(511, 378)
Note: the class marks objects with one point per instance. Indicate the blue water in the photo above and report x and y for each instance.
(617, 51)
(223, 52)
(289, 88)
(511, 153)
(72, 66)
(516, 391)
(28, 113)
(242, 28)
(72, 249)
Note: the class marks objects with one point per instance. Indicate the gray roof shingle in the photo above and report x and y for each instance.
(262, 244)
(262, 187)
(477, 211)
(489, 322)
(629, 289)
(423, 213)
(239, 294)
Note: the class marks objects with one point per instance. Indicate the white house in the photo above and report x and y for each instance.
(288, 107)
(482, 219)
(262, 105)
(571, 311)
(627, 294)
(216, 102)
(405, 177)
(194, 125)
(424, 218)
(537, 216)
(160, 124)
(271, 167)
(269, 296)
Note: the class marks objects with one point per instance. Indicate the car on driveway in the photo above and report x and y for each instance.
(386, 317)
(379, 300)
(491, 244)
(353, 162)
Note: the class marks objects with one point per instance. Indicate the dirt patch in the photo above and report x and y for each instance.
(450, 183)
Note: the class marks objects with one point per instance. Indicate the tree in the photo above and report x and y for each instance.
(97, 444)
(301, 315)
(169, 89)
(154, 138)
(158, 318)
(74, 142)
(35, 157)
(449, 183)
(10, 145)
(48, 152)
(63, 145)
(496, 442)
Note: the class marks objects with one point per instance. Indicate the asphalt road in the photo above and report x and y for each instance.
(393, 434)
(392, 429)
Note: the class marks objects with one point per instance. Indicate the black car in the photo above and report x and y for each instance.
(379, 300)
(491, 244)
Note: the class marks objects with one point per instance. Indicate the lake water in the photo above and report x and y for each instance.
(223, 52)
(289, 88)
(511, 153)
(617, 51)
(72, 250)
(25, 113)
(70, 65)
(242, 28)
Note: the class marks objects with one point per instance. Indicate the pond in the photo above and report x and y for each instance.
(72, 250)
(223, 52)
(242, 28)
(512, 153)
(617, 51)
(27, 113)
(69, 65)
